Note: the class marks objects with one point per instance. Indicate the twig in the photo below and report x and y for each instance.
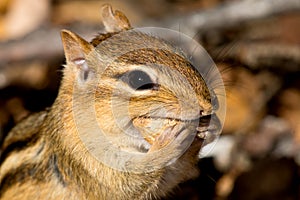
(44, 43)
(267, 54)
(230, 14)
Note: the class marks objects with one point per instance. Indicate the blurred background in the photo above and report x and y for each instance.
(255, 44)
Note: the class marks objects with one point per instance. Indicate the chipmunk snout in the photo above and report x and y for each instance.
(209, 127)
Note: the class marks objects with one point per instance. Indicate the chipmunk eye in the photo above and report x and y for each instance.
(139, 80)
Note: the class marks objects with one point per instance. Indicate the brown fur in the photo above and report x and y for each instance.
(44, 156)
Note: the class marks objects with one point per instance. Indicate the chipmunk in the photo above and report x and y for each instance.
(140, 101)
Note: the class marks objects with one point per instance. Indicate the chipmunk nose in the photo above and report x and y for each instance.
(209, 127)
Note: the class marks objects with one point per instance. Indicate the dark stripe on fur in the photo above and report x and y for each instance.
(20, 175)
(52, 164)
(35, 172)
(18, 146)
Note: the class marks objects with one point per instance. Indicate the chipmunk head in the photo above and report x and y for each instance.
(134, 87)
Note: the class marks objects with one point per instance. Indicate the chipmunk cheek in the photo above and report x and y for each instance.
(152, 128)
(144, 127)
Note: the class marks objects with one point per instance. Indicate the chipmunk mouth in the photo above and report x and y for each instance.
(150, 127)
(209, 127)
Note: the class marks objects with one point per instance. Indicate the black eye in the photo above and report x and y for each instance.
(139, 80)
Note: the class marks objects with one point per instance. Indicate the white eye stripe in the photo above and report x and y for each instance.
(80, 61)
(84, 71)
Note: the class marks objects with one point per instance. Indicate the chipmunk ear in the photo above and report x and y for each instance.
(76, 52)
(114, 21)
(74, 46)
